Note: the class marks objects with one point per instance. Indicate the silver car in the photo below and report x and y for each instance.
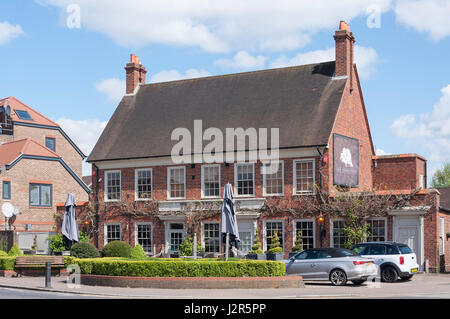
(337, 265)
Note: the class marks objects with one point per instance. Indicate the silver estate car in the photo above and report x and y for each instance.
(337, 265)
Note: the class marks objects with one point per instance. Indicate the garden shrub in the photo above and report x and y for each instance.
(298, 243)
(15, 251)
(3, 253)
(117, 248)
(7, 263)
(275, 246)
(187, 247)
(256, 248)
(180, 268)
(138, 252)
(56, 243)
(84, 250)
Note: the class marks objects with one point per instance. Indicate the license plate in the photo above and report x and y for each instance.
(414, 270)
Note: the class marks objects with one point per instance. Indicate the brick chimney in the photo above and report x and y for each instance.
(135, 74)
(344, 50)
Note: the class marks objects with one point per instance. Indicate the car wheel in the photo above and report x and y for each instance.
(338, 277)
(358, 282)
(389, 274)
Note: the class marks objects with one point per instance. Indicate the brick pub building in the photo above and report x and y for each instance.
(141, 196)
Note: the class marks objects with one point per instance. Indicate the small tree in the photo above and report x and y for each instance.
(138, 252)
(34, 246)
(441, 177)
(275, 246)
(256, 248)
(356, 230)
(298, 243)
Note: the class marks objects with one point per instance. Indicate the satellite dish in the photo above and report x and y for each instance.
(16, 211)
(8, 210)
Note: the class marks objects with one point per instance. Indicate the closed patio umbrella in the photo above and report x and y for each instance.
(69, 227)
(229, 223)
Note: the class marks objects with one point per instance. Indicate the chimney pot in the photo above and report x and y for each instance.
(135, 72)
(344, 50)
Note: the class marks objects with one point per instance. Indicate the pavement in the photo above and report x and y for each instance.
(422, 286)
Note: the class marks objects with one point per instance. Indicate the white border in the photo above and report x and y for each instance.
(136, 171)
(105, 190)
(136, 234)
(235, 167)
(264, 178)
(265, 249)
(294, 174)
(105, 231)
(203, 181)
(203, 235)
(168, 181)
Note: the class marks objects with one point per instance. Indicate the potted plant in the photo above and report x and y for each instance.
(187, 248)
(256, 252)
(56, 244)
(34, 246)
(298, 247)
(276, 251)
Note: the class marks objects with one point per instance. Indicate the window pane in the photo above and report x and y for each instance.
(113, 185)
(271, 229)
(211, 182)
(144, 184)
(305, 230)
(211, 237)
(339, 237)
(177, 180)
(6, 192)
(34, 195)
(144, 236)
(377, 230)
(50, 143)
(245, 179)
(246, 241)
(274, 180)
(304, 178)
(112, 233)
(46, 195)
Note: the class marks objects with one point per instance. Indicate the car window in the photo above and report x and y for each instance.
(339, 252)
(405, 250)
(313, 254)
(392, 250)
(301, 255)
(376, 250)
(325, 254)
(360, 249)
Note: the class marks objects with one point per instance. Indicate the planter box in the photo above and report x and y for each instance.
(274, 256)
(256, 256)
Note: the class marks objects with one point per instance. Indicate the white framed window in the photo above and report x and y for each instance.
(337, 235)
(273, 182)
(421, 181)
(211, 237)
(246, 235)
(270, 228)
(143, 236)
(176, 182)
(306, 229)
(210, 181)
(441, 236)
(143, 184)
(377, 229)
(304, 176)
(244, 179)
(175, 236)
(112, 232)
(113, 182)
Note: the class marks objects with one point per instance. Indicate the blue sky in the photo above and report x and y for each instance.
(75, 75)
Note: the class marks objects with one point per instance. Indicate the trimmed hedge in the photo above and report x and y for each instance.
(7, 263)
(117, 248)
(179, 268)
(84, 250)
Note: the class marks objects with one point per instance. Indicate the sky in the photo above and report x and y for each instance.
(66, 58)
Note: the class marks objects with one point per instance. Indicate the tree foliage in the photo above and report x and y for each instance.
(441, 177)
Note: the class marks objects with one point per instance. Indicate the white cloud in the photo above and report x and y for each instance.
(9, 32)
(243, 61)
(217, 25)
(365, 58)
(431, 16)
(113, 88)
(431, 130)
(173, 75)
(379, 151)
(85, 134)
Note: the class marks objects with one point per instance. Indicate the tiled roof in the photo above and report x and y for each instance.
(12, 150)
(16, 105)
(301, 101)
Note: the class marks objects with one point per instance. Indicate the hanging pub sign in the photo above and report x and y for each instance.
(345, 161)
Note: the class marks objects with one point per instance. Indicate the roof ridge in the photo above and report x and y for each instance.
(238, 73)
(30, 108)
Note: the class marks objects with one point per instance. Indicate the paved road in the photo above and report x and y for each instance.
(14, 293)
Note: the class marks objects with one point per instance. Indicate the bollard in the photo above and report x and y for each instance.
(48, 274)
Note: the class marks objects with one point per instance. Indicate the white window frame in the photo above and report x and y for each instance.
(203, 234)
(105, 192)
(332, 229)
(295, 229)
(252, 229)
(265, 175)
(442, 236)
(168, 181)
(294, 176)
(105, 233)
(421, 181)
(385, 226)
(203, 181)
(265, 248)
(136, 234)
(236, 165)
(136, 175)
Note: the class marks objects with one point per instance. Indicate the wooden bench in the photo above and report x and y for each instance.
(33, 262)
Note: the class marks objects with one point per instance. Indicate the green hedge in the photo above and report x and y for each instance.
(7, 263)
(179, 268)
